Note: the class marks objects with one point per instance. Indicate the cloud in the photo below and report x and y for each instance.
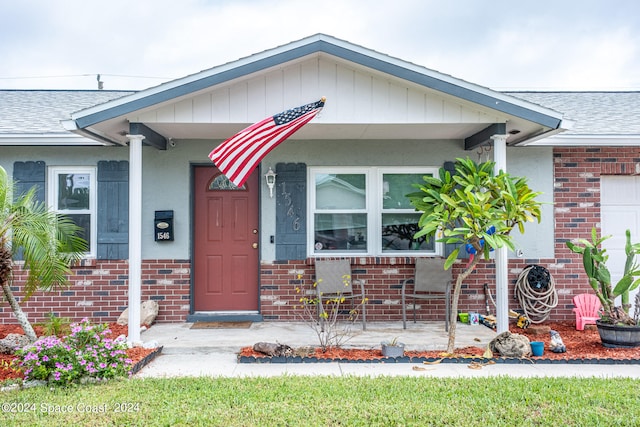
(543, 44)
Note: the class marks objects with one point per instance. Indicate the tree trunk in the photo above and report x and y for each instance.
(17, 311)
(454, 303)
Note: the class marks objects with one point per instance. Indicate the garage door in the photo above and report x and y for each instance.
(620, 210)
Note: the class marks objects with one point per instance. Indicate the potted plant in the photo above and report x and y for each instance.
(616, 327)
(392, 348)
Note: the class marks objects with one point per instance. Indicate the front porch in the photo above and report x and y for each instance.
(177, 338)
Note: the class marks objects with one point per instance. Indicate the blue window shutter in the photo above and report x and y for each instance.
(291, 211)
(113, 210)
(28, 174)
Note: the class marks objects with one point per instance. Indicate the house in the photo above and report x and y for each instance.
(132, 169)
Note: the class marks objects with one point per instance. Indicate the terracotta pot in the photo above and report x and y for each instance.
(617, 336)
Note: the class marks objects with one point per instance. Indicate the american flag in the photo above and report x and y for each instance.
(239, 155)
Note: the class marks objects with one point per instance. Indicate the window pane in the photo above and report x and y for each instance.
(84, 222)
(73, 191)
(396, 186)
(340, 232)
(340, 191)
(398, 231)
(221, 182)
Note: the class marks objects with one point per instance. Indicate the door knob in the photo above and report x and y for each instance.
(254, 245)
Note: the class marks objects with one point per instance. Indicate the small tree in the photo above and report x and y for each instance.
(49, 244)
(473, 207)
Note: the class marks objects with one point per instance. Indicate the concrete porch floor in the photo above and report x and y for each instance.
(177, 337)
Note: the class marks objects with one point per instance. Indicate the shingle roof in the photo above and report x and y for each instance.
(595, 113)
(40, 111)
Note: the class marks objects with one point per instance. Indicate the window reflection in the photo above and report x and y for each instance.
(398, 231)
(341, 232)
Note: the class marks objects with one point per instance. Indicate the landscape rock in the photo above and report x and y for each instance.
(148, 313)
(511, 345)
(539, 329)
(150, 344)
(273, 349)
(11, 342)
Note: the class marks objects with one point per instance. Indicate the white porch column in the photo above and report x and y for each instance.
(135, 235)
(501, 254)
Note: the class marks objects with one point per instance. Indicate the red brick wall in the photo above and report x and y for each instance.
(99, 292)
(577, 174)
(383, 279)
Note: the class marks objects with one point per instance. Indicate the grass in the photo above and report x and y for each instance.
(328, 401)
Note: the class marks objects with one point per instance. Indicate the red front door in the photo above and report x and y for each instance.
(225, 242)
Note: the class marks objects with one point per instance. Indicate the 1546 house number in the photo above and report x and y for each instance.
(163, 235)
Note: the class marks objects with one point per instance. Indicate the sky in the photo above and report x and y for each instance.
(546, 45)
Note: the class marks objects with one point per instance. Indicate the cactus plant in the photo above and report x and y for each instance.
(594, 260)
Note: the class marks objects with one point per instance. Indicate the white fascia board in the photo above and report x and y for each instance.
(565, 125)
(96, 136)
(588, 140)
(47, 139)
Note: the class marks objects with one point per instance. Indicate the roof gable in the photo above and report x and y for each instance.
(321, 48)
(357, 96)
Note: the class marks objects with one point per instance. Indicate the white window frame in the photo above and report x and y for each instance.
(52, 198)
(373, 209)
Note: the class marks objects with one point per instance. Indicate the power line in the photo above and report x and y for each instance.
(84, 75)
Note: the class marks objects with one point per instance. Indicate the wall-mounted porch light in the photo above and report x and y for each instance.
(270, 177)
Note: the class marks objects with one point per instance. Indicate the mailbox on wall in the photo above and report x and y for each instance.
(163, 223)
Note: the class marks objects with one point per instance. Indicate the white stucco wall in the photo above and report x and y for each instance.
(167, 179)
(536, 163)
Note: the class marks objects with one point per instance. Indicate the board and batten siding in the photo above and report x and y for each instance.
(354, 94)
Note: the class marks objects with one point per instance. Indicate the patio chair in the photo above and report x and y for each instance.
(431, 282)
(334, 278)
(587, 309)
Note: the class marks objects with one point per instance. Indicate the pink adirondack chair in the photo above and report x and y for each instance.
(587, 310)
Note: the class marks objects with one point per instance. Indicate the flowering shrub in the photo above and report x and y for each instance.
(323, 314)
(86, 353)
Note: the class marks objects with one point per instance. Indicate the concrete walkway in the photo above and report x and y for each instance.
(213, 352)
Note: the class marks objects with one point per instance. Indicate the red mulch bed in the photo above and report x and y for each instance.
(580, 345)
(135, 354)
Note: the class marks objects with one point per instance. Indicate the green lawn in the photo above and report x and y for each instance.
(329, 401)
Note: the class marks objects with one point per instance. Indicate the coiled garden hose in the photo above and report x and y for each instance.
(536, 292)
